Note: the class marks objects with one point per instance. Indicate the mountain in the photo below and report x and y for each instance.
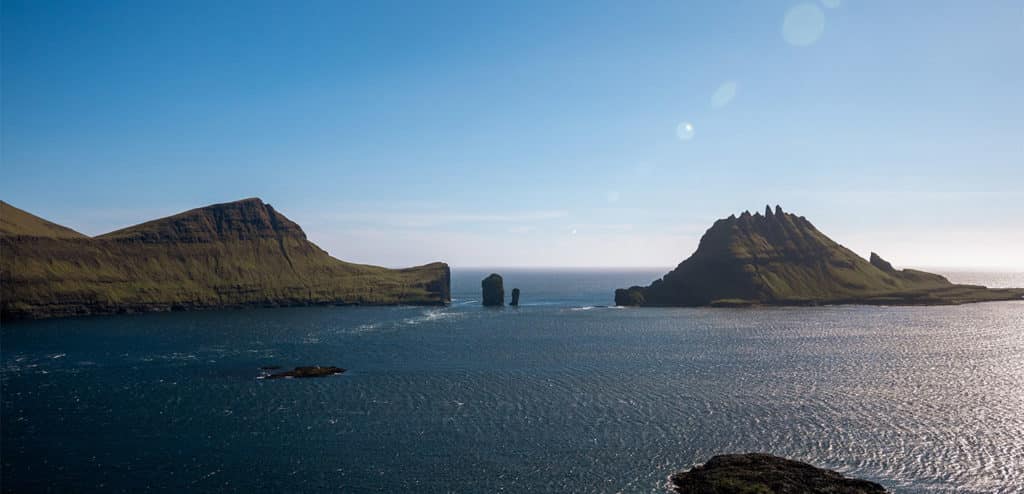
(15, 222)
(242, 253)
(781, 259)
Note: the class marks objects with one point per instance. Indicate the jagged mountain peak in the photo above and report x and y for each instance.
(781, 258)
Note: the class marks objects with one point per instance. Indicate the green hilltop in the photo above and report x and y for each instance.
(781, 259)
(235, 254)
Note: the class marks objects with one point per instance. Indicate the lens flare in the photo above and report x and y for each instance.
(724, 94)
(684, 131)
(803, 25)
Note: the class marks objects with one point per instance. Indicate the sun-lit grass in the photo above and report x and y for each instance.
(237, 254)
(780, 258)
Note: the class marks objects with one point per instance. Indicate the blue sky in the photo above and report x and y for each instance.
(528, 133)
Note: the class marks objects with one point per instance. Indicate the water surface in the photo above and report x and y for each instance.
(560, 395)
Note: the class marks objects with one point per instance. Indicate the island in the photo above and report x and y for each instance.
(779, 258)
(236, 254)
(767, 474)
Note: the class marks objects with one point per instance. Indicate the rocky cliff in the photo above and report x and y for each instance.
(493, 290)
(780, 258)
(241, 253)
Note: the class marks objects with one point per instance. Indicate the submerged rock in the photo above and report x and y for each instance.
(310, 371)
(515, 297)
(765, 474)
(493, 290)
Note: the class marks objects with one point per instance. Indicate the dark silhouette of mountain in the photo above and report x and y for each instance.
(782, 259)
(235, 254)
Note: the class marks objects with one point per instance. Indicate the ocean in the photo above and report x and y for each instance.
(563, 394)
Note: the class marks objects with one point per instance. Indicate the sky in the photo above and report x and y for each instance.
(528, 133)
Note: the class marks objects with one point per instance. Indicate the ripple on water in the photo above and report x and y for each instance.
(541, 399)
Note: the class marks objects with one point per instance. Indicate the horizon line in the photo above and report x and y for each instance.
(1015, 269)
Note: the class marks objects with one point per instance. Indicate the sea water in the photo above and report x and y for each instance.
(563, 394)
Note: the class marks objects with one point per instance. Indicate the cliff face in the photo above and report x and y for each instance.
(242, 253)
(781, 258)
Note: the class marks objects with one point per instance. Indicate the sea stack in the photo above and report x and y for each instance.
(515, 297)
(493, 290)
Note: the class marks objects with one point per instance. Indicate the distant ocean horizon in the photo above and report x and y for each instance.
(563, 394)
(990, 277)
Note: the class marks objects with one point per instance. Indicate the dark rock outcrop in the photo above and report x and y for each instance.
(515, 297)
(629, 297)
(765, 474)
(880, 263)
(236, 254)
(493, 290)
(782, 259)
(310, 371)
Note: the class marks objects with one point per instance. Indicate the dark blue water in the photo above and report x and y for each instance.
(560, 395)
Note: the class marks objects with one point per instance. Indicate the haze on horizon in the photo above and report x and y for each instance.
(528, 133)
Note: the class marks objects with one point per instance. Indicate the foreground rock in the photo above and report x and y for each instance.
(515, 297)
(765, 474)
(493, 290)
(311, 371)
(782, 259)
(236, 254)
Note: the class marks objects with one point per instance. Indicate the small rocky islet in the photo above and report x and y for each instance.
(758, 473)
(303, 372)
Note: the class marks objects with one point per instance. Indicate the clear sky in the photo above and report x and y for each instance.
(528, 133)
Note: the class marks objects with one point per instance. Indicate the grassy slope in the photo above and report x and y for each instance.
(780, 258)
(14, 221)
(233, 254)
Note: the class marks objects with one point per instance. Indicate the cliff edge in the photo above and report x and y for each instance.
(242, 253)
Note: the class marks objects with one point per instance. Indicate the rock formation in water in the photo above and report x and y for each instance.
(493, 290)
(765, 474)
(515, 297)
(782, 259)
(236, 254)
(310, 371)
